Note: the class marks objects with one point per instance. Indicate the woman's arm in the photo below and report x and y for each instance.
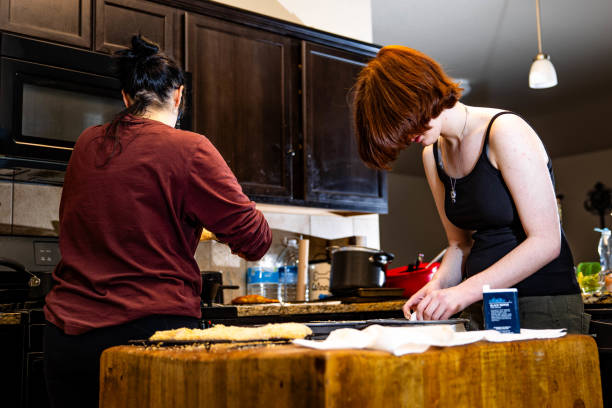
(459, 241)
(215, 199)
(516, 150)
(520, 156)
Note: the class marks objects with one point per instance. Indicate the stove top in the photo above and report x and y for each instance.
(26, 265)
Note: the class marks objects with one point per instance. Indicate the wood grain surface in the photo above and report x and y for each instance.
(560, 372)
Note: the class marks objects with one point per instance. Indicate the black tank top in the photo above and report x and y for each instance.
(484, 205)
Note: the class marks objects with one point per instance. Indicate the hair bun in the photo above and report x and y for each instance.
(142, 47)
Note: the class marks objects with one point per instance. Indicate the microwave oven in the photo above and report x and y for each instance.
(48, 95)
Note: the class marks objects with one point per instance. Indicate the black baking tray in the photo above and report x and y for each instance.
(321, 329)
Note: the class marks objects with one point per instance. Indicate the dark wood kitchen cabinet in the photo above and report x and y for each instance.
(118, 20)
(64, 21)
(334, 173)
(278, 110)
(244, 100)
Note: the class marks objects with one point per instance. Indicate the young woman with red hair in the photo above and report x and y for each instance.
(492, 182)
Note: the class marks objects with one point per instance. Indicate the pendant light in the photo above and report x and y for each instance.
(542, 73)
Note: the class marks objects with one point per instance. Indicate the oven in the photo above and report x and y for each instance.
(22, 320)
(48, 95)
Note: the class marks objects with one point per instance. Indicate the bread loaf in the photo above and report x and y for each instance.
(235, 333)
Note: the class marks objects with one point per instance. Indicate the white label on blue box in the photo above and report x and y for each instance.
(501, 310)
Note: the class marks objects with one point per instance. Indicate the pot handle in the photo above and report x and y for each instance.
(382, 258)
(229, 287)
(34, 280)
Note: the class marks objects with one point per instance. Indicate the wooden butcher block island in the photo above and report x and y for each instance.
(561, 372)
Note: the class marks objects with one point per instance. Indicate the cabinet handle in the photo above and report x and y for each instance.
(290, 156)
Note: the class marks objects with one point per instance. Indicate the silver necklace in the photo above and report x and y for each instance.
(453, 181)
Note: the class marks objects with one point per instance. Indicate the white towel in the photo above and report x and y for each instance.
(405, 340)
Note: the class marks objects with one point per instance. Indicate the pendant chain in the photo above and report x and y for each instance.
(453, 181)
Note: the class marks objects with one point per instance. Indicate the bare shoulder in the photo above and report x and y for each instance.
(511, 138)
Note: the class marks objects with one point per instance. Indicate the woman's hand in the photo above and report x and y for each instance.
(419, 296)
(441, 304)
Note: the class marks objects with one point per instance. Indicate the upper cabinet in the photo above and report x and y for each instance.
(334, 173)
(278, 110)
(244, 100)
(118, 20)
(65, 21)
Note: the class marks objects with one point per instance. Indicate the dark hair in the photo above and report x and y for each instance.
(396, 95)
(148, 77)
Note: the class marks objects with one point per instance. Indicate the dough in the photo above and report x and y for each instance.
(236, 333)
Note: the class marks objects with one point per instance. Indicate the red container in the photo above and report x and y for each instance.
(410, 280)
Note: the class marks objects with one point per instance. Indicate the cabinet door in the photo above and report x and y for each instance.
(66, 21)
(118, 20)
(334, 173)
(242, 100)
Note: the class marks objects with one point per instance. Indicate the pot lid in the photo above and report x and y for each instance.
(356, 248)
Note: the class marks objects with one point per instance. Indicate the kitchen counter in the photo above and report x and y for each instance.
(599, 298)
(316, 307)
(300, 312)
(535, 373)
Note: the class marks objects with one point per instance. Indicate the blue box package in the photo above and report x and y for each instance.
(501, 311)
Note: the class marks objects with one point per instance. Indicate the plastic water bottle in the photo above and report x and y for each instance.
(605, 249)
(262, 278)
(605, 255)
(287, 271)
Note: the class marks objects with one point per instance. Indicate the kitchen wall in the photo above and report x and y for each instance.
(413, 226)
(576, 176)
(213, 256)
(350, 18)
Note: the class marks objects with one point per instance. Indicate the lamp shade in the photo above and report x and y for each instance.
(542, 73)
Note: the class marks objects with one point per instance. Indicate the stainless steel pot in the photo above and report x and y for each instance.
(357, 267)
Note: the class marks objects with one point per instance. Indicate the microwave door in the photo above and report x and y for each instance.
(45, 109)
(57, 116)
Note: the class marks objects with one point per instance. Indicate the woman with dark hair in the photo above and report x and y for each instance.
(493, 186)
(136, 197)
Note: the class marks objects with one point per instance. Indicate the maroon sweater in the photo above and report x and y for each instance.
(129, 229)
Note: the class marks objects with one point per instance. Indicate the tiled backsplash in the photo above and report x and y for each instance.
(32, 208)
(28, 208)
(6, 207)
(35, 207)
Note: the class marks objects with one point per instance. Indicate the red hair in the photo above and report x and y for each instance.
(395, 97)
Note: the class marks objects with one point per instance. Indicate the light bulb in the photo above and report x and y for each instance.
(542, 73)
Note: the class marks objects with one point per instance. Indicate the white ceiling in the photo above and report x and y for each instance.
(492, 43)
